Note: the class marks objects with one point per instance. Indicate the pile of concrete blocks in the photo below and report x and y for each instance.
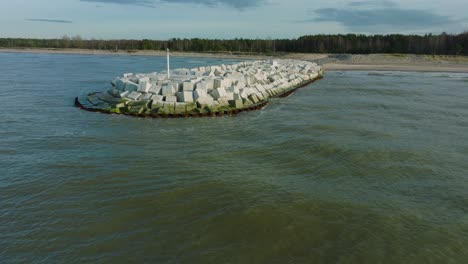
(236, 86)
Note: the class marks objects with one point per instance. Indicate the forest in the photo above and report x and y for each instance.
(441, 44)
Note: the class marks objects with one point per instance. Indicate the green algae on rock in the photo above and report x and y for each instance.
(203, 91)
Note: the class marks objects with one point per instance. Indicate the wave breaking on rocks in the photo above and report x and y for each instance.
(202, 91)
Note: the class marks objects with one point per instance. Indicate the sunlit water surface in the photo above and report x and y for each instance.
(356, 168)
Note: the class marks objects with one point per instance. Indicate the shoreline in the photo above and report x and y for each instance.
(330, 62)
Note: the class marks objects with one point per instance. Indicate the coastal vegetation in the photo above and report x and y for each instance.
(441, 44)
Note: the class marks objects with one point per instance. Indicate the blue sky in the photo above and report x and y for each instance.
(163, 19)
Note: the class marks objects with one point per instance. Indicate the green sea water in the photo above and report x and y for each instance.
(360, 167)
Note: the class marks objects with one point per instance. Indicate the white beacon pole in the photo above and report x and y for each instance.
(168, 65)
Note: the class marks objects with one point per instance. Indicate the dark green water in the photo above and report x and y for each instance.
(356, 168)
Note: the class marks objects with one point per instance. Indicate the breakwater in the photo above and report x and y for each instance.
(203, 91)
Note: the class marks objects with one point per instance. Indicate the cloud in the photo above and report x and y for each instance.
(380, 16)
(49, 20)
(239, 4)
(145, 3)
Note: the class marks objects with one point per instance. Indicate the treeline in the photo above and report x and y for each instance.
(443, 44)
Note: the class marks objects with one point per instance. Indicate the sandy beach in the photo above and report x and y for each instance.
(330, 62)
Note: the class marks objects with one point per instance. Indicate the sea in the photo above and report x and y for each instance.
(359, 167)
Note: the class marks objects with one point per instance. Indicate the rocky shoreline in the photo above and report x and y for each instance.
(204, 91)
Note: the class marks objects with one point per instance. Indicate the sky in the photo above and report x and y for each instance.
(224, 19)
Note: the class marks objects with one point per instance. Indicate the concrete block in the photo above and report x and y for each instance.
(124, 94)
(155, 89)
(158, 98)
(204, 101)
(170, 98)
(247, 102)
(131, 86)
(143, 87)
(177, 87)
(188, 86)
(217, 83)
(238, 104)
(185, 97)
(218, 93)
(157, 104)
(114, 92)
(260, 96)
(223, 102)
(190, 106)
(143, 79)
(168, 90)
(145, 96)
(134, 96)
(119, 84)
(229, 96)
(199, 93)
(169, 107)
(254, 98)
(179, 108)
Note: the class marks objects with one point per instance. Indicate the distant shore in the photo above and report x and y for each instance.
(330, 62)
